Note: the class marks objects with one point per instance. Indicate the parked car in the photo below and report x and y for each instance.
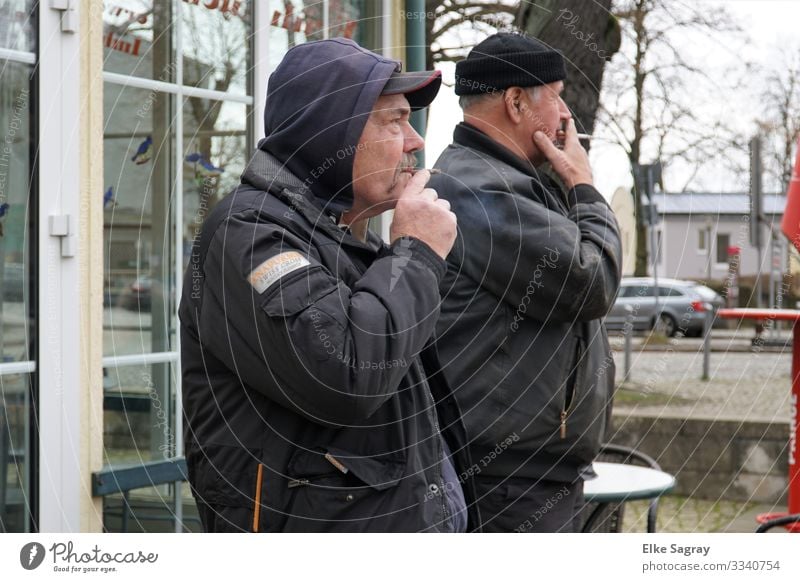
(13, 282)
(682, 306)
(138, 294)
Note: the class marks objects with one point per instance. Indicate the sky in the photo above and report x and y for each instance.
(769, 24)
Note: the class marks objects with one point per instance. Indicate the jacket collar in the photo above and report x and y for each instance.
(267, 173)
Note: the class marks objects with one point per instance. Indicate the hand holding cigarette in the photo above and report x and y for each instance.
(571, 163)
(421, 214)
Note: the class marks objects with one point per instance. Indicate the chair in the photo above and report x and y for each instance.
(791, 519)
(608, 517)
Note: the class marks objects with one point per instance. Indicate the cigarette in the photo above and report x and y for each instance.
(431, 170)
(585, 136)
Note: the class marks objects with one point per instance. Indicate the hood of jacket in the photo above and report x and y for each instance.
(318, 102)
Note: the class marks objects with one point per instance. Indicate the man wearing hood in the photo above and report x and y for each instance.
(304, 338)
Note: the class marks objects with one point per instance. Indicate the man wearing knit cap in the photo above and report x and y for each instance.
(534, 268)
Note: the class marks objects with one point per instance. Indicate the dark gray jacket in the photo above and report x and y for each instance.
(308, 405)
(310, 398)
(520, 336)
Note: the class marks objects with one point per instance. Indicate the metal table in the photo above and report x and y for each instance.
(792, 315)
(620, 482)
(617, 482)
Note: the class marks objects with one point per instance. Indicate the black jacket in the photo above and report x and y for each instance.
(308, 405)
(520, 337)
(309, 395)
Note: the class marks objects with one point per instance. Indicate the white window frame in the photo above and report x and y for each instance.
(60, 401)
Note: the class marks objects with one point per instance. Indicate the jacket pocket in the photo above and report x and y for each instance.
(297, 291)
(572, 386)
(333, 490)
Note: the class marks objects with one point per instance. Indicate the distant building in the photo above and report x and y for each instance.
(697, 228)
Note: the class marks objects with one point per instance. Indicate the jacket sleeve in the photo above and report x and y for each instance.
(545, 265)
(296, 333)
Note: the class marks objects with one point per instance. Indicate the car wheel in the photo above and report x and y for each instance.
(666, 325)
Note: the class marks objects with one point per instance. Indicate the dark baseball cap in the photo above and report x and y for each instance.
(419, 87)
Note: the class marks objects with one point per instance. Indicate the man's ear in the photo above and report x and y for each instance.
(515, 105)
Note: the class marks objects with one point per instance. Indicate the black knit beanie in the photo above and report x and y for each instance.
(508, 60)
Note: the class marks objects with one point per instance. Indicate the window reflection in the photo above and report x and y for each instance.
(215, 153)
(15, 459)
(139, 171)
(294, 22)
(138, 38)
(16, 302)
(17, 25)
(217, 44)
(15, 174)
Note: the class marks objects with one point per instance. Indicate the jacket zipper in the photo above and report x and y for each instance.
(257, 498)
(439, 448)
(568, 408)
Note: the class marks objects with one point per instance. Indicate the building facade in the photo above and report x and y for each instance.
(121, 124)
(696, 230)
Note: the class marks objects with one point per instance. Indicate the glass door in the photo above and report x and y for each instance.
(17, 264)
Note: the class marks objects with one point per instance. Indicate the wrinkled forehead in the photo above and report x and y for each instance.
(391, 104)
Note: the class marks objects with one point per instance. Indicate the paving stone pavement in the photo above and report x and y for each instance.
(744, 384)
(690, 515)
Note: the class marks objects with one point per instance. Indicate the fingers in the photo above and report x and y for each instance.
(443, 203)
(416, 184)
(550, 151)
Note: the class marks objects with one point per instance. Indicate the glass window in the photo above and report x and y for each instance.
(16, 300)
(17, 26)
(138, 170)
(138, 39)
(15, 457)
(702, 243)
(642, 291)
(146, 148)
(17, 297)
(217, 44)
(138, 410)
(295, 22)
(216, 149)
(723, 242)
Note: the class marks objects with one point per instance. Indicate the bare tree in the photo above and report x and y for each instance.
(588, 35)
(452, 26)
(781, 121)
(652, 87)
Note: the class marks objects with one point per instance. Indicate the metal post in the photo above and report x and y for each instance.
(653, 238)
(756, 208)
(707, 324)
(709, 256)
(627, 329)
(415, 59)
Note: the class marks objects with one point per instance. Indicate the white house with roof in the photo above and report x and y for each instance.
(697, 228)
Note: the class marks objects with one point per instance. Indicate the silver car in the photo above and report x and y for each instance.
(682, 306)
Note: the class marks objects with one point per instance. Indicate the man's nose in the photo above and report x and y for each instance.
(412, 140)
(563, 109)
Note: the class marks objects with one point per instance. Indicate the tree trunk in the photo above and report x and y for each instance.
(587, 35)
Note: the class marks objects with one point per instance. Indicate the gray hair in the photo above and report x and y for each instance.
(478, 99)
